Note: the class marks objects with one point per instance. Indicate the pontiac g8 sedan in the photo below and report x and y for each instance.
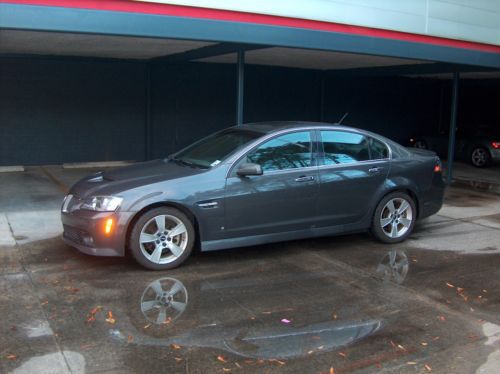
(254, 184)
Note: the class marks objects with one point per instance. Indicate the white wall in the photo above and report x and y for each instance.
(472, 20)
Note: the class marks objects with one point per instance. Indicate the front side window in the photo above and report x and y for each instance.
(289, 151)
(342, 147)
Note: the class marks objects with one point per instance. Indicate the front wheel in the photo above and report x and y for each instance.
(394, 218)
(162, 238)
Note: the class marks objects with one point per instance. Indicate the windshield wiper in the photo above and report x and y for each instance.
(180, 161)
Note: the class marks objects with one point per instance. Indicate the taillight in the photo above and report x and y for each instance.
(438, 168)
(495, 145)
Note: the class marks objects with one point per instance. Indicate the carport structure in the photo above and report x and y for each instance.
(92, 80)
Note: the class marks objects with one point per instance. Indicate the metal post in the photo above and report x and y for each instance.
(240, 87)
(147, 119)
(453, 127)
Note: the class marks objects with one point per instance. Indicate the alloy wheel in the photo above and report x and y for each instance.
(421, 144)
(394, 266)
(396, 218)
(164, 300)
(479, 157)
(163, 239)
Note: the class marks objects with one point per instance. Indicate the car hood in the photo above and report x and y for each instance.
(128, 177)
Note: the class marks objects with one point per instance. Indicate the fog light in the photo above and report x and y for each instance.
(109, 226)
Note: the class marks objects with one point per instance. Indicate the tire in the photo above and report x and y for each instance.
(393, 225)
(480, 157)
(157, 249)
(421, 144)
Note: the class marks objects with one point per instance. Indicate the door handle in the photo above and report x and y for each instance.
(304, 178)
(375, 169)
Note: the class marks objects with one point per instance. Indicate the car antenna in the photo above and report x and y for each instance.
(343, 118)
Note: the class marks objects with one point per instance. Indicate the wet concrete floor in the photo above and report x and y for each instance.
(332, 305)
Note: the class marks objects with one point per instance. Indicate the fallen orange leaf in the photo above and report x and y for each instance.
(332, 370)
(110, 318)
(450, 285)
(427, 367)
(11, 357)
(343, 354)
(175, 346)
(221, 359)
(424, 343)
(130, 338)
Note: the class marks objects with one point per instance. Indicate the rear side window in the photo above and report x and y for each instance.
(289, 151)
(378, 150)
(342, 147)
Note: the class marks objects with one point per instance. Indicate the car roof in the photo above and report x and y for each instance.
(272, 126)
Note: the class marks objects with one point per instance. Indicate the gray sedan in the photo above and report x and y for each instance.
(254, 184)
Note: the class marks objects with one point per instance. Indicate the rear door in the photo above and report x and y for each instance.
(352, 168)
(284, 197)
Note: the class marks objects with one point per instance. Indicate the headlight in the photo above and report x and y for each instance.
(102, 203)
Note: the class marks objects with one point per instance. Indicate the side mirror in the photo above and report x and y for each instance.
(249, 169)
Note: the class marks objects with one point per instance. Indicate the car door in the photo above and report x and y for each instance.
(283, 198)
(352, 168)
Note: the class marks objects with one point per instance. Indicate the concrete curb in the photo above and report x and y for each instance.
(10, 169)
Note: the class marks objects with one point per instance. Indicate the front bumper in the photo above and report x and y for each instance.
(84, 230)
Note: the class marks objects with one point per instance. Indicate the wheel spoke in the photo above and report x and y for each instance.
(147, 238)
(177, 305)
(148, 305)
(157, 288)
(404, 206)
(177, 230)
(162, 316)
(394, 230)
(385, 221)
(175, 288)
(160, 223)
(390, 206)
(405, 221)
(175, 249)
(156, 255)
(392, 257)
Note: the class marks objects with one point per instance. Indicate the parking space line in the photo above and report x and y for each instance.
(56, 181)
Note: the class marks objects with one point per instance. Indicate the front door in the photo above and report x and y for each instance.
(283, 198)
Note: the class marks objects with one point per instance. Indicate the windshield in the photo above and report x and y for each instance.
(209, 152)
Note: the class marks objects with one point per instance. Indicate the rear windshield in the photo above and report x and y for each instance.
(212, 150)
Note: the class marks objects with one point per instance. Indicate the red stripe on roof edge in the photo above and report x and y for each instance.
(261, 19)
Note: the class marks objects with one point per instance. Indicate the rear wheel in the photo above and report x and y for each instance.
(394, 218)
(480, 157)
(162, 238)
(421, 144)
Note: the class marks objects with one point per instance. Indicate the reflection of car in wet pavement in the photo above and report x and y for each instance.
(478, 147)
(254, 184)
(165, 300)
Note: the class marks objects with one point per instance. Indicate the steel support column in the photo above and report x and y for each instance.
(453, 127)
(240, 87)
(147, 119)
